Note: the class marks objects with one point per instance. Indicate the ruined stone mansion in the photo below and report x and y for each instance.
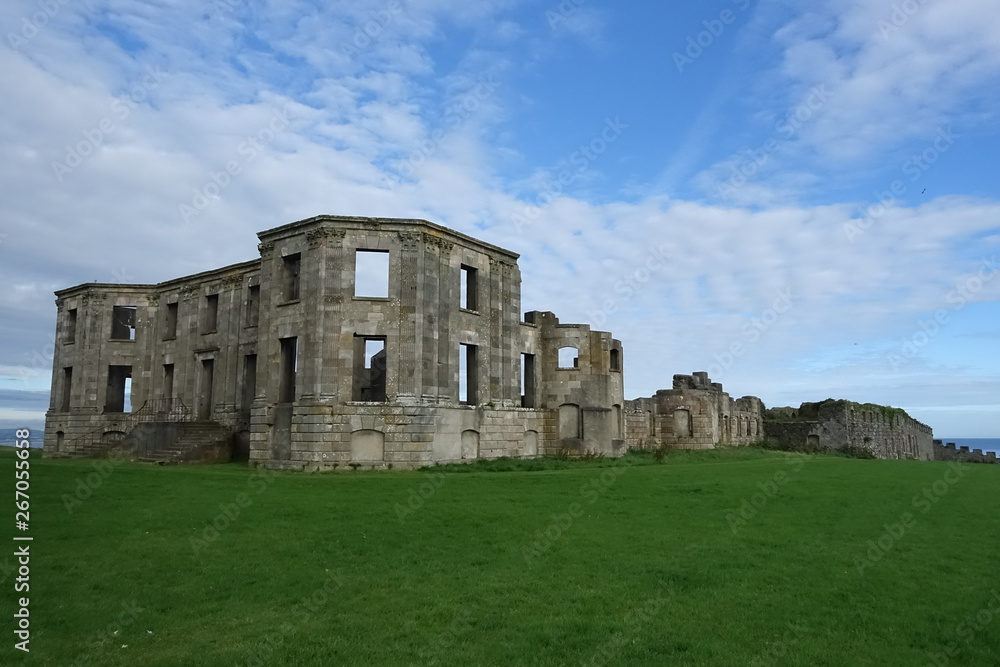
(349, 341)
(376, 343)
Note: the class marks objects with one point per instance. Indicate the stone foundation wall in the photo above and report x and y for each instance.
(377, 436)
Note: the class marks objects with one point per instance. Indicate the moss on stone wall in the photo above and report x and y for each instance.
(811, 412)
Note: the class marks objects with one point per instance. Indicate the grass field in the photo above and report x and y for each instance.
(834, 561)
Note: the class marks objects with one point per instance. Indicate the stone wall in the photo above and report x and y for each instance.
(885, 432)
(949, 452)
(695, 414)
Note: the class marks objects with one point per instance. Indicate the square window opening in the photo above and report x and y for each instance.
(370, 369)
(371, 274)
(123, 323)
(119, 389)
(569, 357)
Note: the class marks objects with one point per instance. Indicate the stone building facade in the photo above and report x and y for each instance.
(350, 341)
(695, 414)
(887, 433)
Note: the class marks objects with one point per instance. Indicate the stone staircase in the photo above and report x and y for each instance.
(179, 442)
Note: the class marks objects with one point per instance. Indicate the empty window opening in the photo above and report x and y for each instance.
(527, 380)
(568, 357)
(206, 390)
(211, 321)
(249, 380)
(616, 359)
(170, 326)
(60, 440)
(616, 417)
(468, 379)
(67, 389)
(369, 369)
(118, 398)
(291, 268)
(168, 387)
(128, 393)
(123, 323)
(70, 326)
(287, 369)
(371, 274)
(253, 305)
(468, 288)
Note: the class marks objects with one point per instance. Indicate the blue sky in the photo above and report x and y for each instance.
(800, 198)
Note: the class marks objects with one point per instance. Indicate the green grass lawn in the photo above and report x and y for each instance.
(642, 564)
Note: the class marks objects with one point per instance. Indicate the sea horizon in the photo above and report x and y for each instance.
(985, 444)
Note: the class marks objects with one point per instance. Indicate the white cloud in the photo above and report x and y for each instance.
(891, 84)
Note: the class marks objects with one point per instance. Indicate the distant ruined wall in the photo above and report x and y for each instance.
(888, 433)
(949, 452)
(695, 414)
